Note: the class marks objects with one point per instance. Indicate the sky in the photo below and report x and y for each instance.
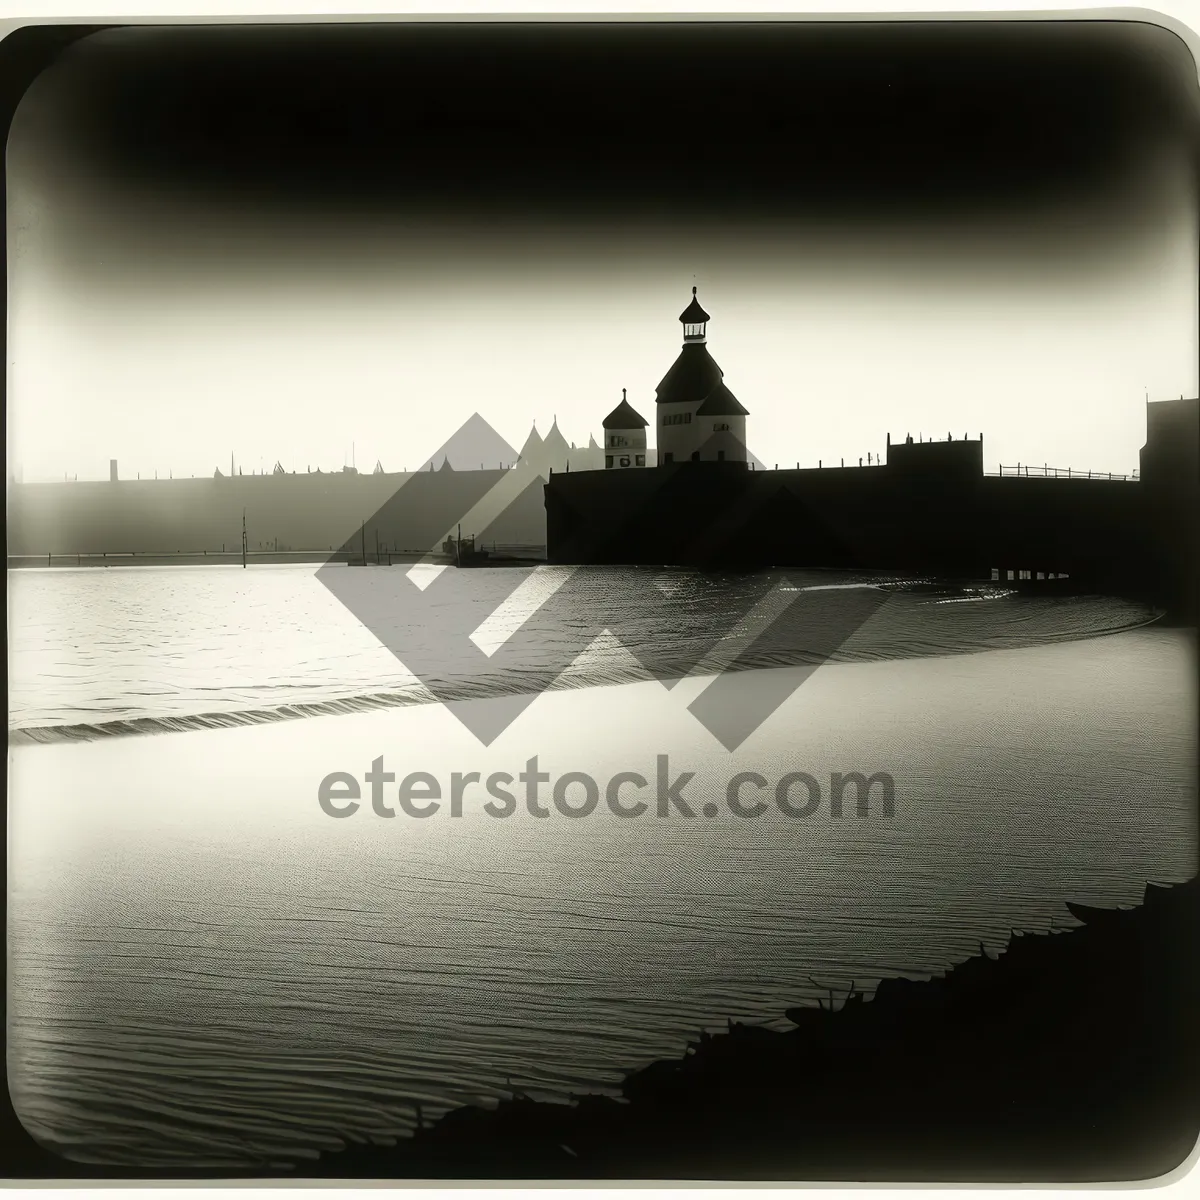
(345, 248)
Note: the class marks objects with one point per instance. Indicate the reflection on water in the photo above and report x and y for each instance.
(207, 970)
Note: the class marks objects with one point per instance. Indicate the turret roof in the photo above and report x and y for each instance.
(554, 440)
(624, 416)
(532, 443)
(721, 402)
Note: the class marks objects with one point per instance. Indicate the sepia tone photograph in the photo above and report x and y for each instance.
(731, 713)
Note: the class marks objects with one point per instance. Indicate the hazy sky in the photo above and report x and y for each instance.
(167, 319)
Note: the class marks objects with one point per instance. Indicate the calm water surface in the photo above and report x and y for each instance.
(205, 969)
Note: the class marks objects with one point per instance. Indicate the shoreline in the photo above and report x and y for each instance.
(263, 558)
(1020, 1058)
(1068, 1057)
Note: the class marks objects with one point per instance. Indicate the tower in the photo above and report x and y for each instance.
(624, 436)
(699, 418)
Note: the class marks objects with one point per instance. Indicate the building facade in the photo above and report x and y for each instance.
(698, 419)
(624, 436)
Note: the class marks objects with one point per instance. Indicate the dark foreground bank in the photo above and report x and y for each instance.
(1070, 1057)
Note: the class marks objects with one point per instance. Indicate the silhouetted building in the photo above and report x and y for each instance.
(624, 436)
(960, 459)
(1170, 479)
(929, 509)
(699, 418)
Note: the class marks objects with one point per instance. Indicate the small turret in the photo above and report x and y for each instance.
(624, 436)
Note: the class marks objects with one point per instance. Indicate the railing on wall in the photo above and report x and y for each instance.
(1025, 471)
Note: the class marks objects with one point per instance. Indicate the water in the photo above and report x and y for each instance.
(99, 652)
(207, 970)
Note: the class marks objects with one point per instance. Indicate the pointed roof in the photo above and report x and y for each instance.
(378, 467)
(692, 376)
(473, 443)
(554, 439)
(694, 314)
(445, 465)
(721, 402)
(624, 416)
(533, 443)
